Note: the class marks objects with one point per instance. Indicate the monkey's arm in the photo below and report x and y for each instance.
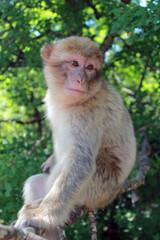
(55, 208)
(48, 164)
(78, 168)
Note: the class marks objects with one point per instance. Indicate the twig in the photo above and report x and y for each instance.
(153, 69)
(126, 1)
(10, 233)
(96, 13)
(108, 41)
(61, 233)
(22, 122)
(143, 167)
(92, 225)
(143, 75)
(125, 44)
(36, 144)
(142, 129)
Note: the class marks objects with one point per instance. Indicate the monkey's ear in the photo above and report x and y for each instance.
(47, 51)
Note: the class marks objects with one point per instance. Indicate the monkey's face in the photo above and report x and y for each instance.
(78, 72)
(72, 68)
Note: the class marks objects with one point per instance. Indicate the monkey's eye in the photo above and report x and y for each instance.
(75, 63)
(90, 67)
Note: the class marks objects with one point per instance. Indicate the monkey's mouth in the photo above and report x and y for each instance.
(75, 93)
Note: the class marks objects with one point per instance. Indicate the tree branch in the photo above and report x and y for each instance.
(9, 22)
(126, 1)
(108, 41)
(96, 13)
(61, 233)
(143, 75)
(10, 233)
(153, 69)
(125, 44)
(3, 32)
(144, 128)
(92, 225)
(143, 167)
(37, 120)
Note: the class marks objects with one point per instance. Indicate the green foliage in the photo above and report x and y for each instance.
(15, 167)
(132, 65)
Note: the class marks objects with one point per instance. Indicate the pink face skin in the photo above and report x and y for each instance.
(78, 71)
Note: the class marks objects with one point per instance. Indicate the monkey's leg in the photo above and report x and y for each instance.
(34, 190)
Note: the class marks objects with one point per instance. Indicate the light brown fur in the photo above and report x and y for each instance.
(94, 143)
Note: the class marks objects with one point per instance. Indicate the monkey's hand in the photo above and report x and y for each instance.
(30, 215)
(48, 164)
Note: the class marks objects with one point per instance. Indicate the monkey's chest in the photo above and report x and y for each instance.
(62, 140)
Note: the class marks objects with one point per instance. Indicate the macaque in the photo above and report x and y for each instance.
(94, 143)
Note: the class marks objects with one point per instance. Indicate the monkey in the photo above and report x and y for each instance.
(93, 135)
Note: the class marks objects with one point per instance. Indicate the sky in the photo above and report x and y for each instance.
(143, 3)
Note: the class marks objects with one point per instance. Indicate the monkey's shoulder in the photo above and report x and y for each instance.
(110, 102)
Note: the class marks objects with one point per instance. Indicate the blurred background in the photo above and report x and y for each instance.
(128, 33)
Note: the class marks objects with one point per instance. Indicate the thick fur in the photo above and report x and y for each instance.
(94, 143)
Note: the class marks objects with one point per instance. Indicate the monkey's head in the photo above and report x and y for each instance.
(72, 68)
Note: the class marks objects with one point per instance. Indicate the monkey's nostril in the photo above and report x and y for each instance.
(79, 81)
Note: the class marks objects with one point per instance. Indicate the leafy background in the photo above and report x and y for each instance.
(128, 33)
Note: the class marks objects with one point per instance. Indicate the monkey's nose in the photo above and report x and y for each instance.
(79, 81)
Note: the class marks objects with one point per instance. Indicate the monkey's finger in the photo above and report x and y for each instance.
(45, 168)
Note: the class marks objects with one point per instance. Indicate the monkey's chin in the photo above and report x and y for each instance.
(74, 93)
